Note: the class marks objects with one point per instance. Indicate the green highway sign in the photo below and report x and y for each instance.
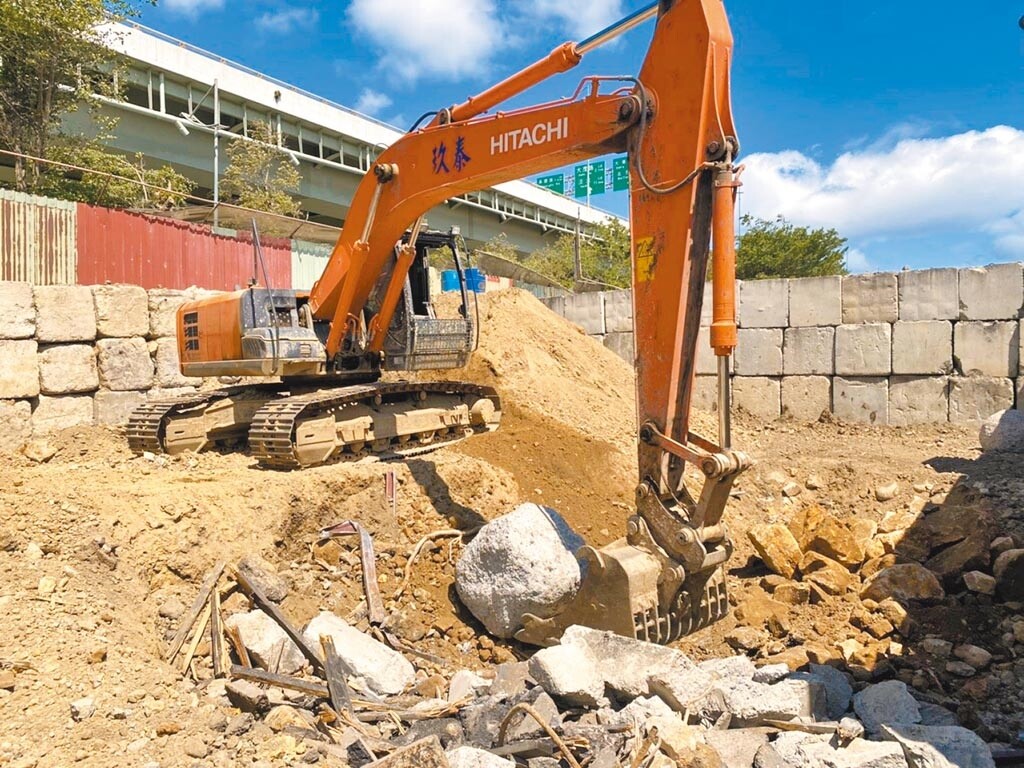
(555, 182)
(597, 185)
(580, 181)
(589, 179)
(620, 174)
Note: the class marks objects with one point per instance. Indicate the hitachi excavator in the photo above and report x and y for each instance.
(371, 310)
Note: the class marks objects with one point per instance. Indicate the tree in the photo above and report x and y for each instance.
(604, 256)
(780, 249)
(261, 175)
(53, 59)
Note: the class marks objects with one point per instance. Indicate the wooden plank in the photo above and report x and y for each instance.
(196, 639)
(336, 672)
(368, 560)
(280, 681)
(193, 613)
(236, 641)
(216, 635)
(271, 609)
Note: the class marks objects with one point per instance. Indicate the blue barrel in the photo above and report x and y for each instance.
(449, 280)
(476, 281)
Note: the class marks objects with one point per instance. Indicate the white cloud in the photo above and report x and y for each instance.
(372, 102)
(192, 7)
(578, 18)
(857, 260)
(968, 181)
(286, 20)
(451, 39)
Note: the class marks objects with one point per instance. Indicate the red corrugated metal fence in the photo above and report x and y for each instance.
(124, 247)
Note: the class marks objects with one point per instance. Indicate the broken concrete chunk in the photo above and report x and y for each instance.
(267, 643)
(680, 688)
(731, 667)
(752, 703)
(768, 757)
(810, 692)
(1003, 432)
(465, 683)
(385, 670)
(639, 710)
(857, 754)
(771, 673)
(481, 718)
(426, 753)
(678, 741)
(471, 757)
(265, 577)
(888, 703)
(626, 664)
(247, 696)
(447, 729)
(569, 673)
(523, 562)
(940, 746)
(738, 747)
(511, 679)
(838, 690)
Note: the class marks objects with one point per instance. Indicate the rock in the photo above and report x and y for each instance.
(465, 684)
(737, 747)
(247, 696)
(1001, 544)
(680, 688)
(283, 717)
(960, 669)
(523, 562)
(265, 577)
(752, 703)
(1003, 432)
(67, 369)
(936, 646)
(832, 577)
(195, 747)
(940, 746)
(239, 724)
(792, 593)
(777, 547)
(849, 728)
(810, 692)
(838, 542)
(768, 757)
(729, 668)
(83, 709)
(887, 703)
(804, 524)
(950, 563)
(1009, 573)
(529, 728)
(511, 679)
(974, 655)
(899, 520)
(569, 673)
(791, 490)
(896, 615)
(933, 714)
(746, 639)
(982, 583)
(480, 719)
(887, 492)
(906, 582)
(267, 643)
(39, 450)
(771, 673)
(385, 670)
(172, 608)
(874, 624)
(448, 730)
(471, 757)
(677, 739)
(639, 710)
(426, 753)
(625, 664)
(857, 754)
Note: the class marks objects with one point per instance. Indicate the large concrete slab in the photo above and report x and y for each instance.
(618, 312)
(705, 393)
(816, 301)
(929, 294)
(864, 400)
(972, 399)
(54, 413)
(124, 364)
(163, 311)
(168, 369)
(113, 408)
(121, 310)
(64, 313)
(995, 292)
(987, 348)
(864, 350)
(809, 351)
(707, 361)
(67, 369)
(922, 347)
(870, 298)
(918, 400)
(587, 311)
(760, 396)
(759, 352)
(805, 398)
(16, 416)
(19, 372)
(17, 311)
(619, 343)
(764, 304)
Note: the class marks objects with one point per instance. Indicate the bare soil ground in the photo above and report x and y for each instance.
(96, 544)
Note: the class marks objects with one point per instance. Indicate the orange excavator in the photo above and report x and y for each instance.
(371, 310)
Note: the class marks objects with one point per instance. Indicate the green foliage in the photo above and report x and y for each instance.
(261, 175)
(604, 257)
(780, 249)
(52, 61)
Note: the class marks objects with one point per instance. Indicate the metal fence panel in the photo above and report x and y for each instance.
(37, 239)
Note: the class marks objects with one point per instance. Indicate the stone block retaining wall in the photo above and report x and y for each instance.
(74, 355)
(913, 347)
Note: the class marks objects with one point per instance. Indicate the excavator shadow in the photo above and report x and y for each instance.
(425, 473)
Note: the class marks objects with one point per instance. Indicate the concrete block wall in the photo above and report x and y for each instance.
(903, 348)
(78, 355)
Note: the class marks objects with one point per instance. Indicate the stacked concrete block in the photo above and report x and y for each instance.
(124, 364)
(816, 301)
(707, 361)
(760, 396)
(759, 352)
(618, 312)
(805, 398)
(705, 393)
(922, 347)
(864, 350)
(64, 313)
(19, 372)
(763, 304)
(972, 399)
(864, 400)
(67, 369)
(168, 368)
(708, 304)
(587, 311)
(113, 408)
(995, 292)
(929, 294)
(16, 418)
(619, 343)
(55, 413)
(122, 311)
(17, 311)
(870, 298)
(987, 348)
(918, 400)
(809, 351)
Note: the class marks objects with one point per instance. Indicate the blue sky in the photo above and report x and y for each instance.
(899, 124)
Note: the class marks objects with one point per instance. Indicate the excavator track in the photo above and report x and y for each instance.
(290, 431)
(318, 427)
